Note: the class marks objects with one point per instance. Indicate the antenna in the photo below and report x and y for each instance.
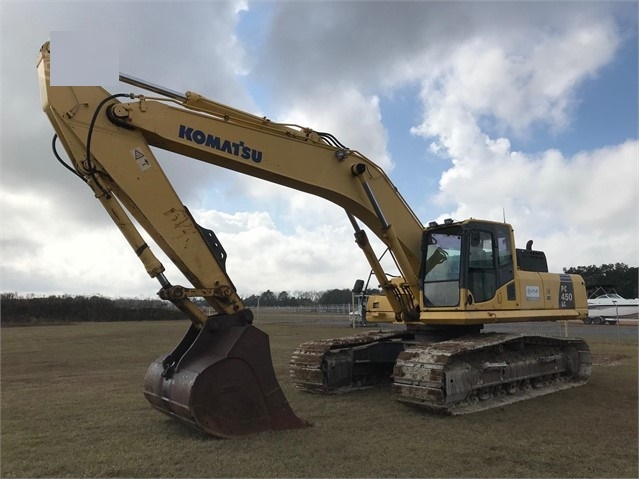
(503, 210)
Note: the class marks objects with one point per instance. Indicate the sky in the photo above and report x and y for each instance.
(522, 110)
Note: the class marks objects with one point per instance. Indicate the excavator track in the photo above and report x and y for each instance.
(478, 372)
(344, 364)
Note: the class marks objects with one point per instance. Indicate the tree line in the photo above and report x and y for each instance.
(620, 276)
(301, 298)
(31, 309)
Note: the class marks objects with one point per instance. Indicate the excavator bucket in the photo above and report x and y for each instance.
(220, 379)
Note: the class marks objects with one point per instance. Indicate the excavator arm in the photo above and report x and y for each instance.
(220, 377)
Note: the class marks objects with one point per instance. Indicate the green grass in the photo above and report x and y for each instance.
(72, 406)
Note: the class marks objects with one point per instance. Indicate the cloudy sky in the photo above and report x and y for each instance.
(474, 110)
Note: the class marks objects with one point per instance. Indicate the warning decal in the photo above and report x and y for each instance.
(141, 159)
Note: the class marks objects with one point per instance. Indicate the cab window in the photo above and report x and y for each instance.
(442, 269)
(482, 279)
(505, 256)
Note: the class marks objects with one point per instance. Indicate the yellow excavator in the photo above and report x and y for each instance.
(455, 276)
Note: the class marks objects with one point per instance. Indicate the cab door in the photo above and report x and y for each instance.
(489, 260)
(481, 271)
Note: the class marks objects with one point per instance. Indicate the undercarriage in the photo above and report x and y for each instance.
(465, 374)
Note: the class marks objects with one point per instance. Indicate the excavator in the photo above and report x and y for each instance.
(456, 276)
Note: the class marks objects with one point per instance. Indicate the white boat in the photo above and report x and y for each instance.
(610, 307)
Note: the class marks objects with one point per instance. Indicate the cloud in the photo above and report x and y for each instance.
(513, 84)
(62, 255)
(55, 236)
(261, 256)
(342, 108)
(513, 87)
(489, 73)
(205, 56)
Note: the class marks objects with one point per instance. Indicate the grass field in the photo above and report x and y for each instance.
(72, 406)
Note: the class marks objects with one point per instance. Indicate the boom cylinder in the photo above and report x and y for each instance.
(389, 234)
(362, 241)
(151, 263)
(131, 80)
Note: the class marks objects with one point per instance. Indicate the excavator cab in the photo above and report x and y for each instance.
(475, 257)
(472, 273)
